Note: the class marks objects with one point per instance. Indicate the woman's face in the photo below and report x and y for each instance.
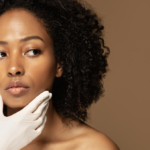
(37, 70)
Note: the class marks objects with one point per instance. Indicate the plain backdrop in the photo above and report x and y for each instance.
(123, 113)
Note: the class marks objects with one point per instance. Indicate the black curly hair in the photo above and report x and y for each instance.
(78, 44)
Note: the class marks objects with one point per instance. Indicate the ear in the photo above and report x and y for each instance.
(59, 69)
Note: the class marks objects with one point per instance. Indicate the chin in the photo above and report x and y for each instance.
(15, 104)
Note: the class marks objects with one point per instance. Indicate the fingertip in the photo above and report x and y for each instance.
(46, 92)
(50, 95)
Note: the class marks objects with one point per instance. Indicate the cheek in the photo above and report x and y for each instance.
(43, 73)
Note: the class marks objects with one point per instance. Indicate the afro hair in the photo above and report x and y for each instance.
(77, 33)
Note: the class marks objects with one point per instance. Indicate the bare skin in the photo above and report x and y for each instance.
(38, 71)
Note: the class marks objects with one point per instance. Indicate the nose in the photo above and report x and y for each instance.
(15, 68)
(14, 73)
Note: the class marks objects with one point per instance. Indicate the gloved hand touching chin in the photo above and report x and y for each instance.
(18, 130)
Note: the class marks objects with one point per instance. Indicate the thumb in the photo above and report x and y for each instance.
(1, 106)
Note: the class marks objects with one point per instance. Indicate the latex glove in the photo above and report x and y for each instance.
(18, 130)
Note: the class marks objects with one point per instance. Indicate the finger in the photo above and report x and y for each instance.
(42, 125)
(42, 105)
(36, 133)
(36, 102)
(37, 123)
(1, 106)
(40, 129)
(39, 112)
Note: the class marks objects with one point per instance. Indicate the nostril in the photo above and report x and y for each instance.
(18, 73)
(14, 74)
(10, 73)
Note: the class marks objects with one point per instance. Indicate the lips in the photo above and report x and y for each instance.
(16, 84)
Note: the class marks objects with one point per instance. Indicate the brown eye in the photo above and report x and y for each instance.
(2, 53)
(34, 52)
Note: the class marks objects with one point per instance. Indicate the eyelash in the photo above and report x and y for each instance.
(39, 52)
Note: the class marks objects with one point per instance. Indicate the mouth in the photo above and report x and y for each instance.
(17, 90)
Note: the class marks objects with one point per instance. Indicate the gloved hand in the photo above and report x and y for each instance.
(18, 130)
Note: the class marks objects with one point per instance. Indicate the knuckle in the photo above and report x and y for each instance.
(40, 120)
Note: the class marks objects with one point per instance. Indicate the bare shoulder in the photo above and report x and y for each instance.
(95, 140)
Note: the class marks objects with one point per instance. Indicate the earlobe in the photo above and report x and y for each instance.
(59, 72)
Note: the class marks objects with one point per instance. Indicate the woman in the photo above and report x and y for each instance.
(69, 61)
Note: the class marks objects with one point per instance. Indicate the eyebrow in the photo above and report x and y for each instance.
(24, 39)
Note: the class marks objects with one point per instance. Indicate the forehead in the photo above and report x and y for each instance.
(20, 22)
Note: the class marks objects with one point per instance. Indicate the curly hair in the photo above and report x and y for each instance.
(77, 33)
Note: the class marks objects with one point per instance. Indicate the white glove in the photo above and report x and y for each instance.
(18, 130)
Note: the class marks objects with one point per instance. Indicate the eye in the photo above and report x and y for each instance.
(2, 53)
(34, 52)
